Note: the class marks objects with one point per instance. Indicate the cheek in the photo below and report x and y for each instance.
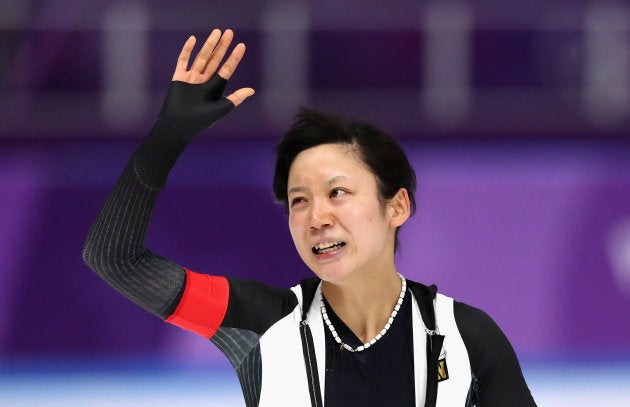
(293, 222)
(362, 215)
(295, 228)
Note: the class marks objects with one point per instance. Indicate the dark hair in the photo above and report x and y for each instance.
(382, 155)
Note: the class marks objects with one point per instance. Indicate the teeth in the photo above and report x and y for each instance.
(327, 247)
(322, 246)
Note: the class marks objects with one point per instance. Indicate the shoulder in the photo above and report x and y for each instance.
(492, 358)
(477, 328)
(486, 343)
(497, 377)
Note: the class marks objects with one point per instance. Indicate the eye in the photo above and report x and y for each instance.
(337, 193)
(298, 201)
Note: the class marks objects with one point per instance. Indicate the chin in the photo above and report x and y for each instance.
(331, 276)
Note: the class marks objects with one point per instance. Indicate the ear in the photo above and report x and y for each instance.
(399, 208)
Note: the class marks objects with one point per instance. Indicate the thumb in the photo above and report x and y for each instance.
(239, 96)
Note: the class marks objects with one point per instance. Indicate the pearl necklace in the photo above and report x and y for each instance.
(366, 345)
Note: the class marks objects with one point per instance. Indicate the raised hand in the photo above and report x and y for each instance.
(195, 99)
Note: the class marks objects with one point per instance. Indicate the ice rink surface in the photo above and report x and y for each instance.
(554, 384)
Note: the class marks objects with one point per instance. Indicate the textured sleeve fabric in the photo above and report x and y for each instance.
(493, 360)
(233, 313)
(115, 247)
(252, 309)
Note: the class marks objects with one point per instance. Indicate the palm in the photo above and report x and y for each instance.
(208, 60)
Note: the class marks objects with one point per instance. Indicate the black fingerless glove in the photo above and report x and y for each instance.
(190, 108)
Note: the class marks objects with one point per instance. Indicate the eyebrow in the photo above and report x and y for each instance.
(296, 189)
(328, 183)
(334, 180)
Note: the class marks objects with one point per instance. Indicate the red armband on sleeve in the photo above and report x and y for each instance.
(203, 305)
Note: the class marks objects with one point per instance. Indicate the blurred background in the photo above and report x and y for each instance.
(514, 114)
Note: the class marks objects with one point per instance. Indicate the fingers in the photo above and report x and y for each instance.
(206, 51)
(184, 57)
(232, 62)
(208, 59)
(240, 95)
(219, 52)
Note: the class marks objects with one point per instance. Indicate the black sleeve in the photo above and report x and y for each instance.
(115, 247)
(493, 360)
(256, 306)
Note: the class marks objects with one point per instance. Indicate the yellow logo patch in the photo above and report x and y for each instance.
(442, 370)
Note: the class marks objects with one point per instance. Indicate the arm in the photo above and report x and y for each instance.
(115, 247)
(492, 359)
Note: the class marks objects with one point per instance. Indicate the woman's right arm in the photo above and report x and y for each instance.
(115, 247)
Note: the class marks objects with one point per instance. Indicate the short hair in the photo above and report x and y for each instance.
(378, 151)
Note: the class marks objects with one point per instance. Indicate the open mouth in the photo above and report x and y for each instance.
(323, 248)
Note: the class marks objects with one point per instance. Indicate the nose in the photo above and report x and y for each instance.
(320, 217)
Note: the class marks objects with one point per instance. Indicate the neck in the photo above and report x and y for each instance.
(364, 306)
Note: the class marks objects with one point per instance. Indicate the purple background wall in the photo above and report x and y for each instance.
(535, 233)
(515, 118)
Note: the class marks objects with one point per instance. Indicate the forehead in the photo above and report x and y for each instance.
(325, 162)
